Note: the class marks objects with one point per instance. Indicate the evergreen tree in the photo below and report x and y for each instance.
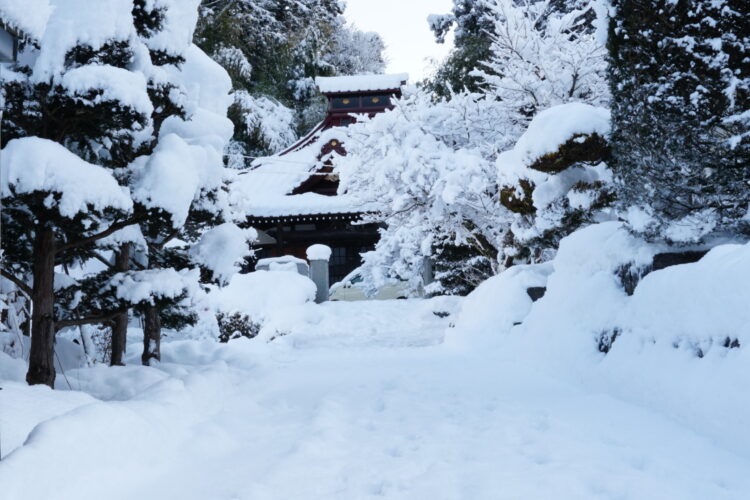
(97, 145)
(458, 269)
(70, 120)
(473, 27)
(680, 79)
(555, 180)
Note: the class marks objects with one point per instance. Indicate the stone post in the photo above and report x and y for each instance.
(318, 255)
(428, 273)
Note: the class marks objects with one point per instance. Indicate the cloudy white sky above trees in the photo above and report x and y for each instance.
(410, 45)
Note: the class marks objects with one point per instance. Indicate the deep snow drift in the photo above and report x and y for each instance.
(488, 397)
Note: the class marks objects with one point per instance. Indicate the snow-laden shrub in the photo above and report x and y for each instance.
(237, 325)
(498, 304)
(698, 309)
(555, 179)
(253, 304)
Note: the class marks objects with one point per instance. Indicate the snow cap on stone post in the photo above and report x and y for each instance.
(319, 252)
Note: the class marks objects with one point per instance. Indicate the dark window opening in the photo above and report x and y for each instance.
(8, 47)
(343, 261)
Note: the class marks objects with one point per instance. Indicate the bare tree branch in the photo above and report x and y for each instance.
(20, 284)
(88, 320)
(98, 236)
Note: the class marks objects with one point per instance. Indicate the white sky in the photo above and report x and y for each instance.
(403, 26)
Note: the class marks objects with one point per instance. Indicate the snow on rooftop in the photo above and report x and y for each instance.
(28, 16)
(360, 83)
(265, 191)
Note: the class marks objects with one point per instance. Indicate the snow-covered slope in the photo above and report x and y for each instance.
(362, 400)
(587, 393)
(677, 345)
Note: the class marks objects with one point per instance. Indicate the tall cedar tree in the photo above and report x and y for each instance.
(680, 81)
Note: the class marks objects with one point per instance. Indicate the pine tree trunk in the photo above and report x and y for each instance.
(151, 335)
(120, 323)
(42, 354)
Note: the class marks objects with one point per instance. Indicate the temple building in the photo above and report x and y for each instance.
(291, 198)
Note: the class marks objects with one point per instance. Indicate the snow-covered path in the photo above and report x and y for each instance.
(364, 419)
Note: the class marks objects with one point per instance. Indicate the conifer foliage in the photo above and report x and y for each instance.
(113, 135)
(680, 79)
(473, 29)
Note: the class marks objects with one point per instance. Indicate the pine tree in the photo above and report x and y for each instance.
(100, 158)
(560, 187)
(71, 120)
(680, 79)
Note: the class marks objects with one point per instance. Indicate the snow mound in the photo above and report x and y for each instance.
(694, 307)
(502, 301)
(33, 164)
(263, 293)
(678, 345)
(705, 302)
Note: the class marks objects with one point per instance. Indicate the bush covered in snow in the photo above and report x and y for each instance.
(555, 179)
(237, 325)
(696, 308)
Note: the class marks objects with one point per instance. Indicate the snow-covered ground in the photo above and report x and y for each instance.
(366, 401)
